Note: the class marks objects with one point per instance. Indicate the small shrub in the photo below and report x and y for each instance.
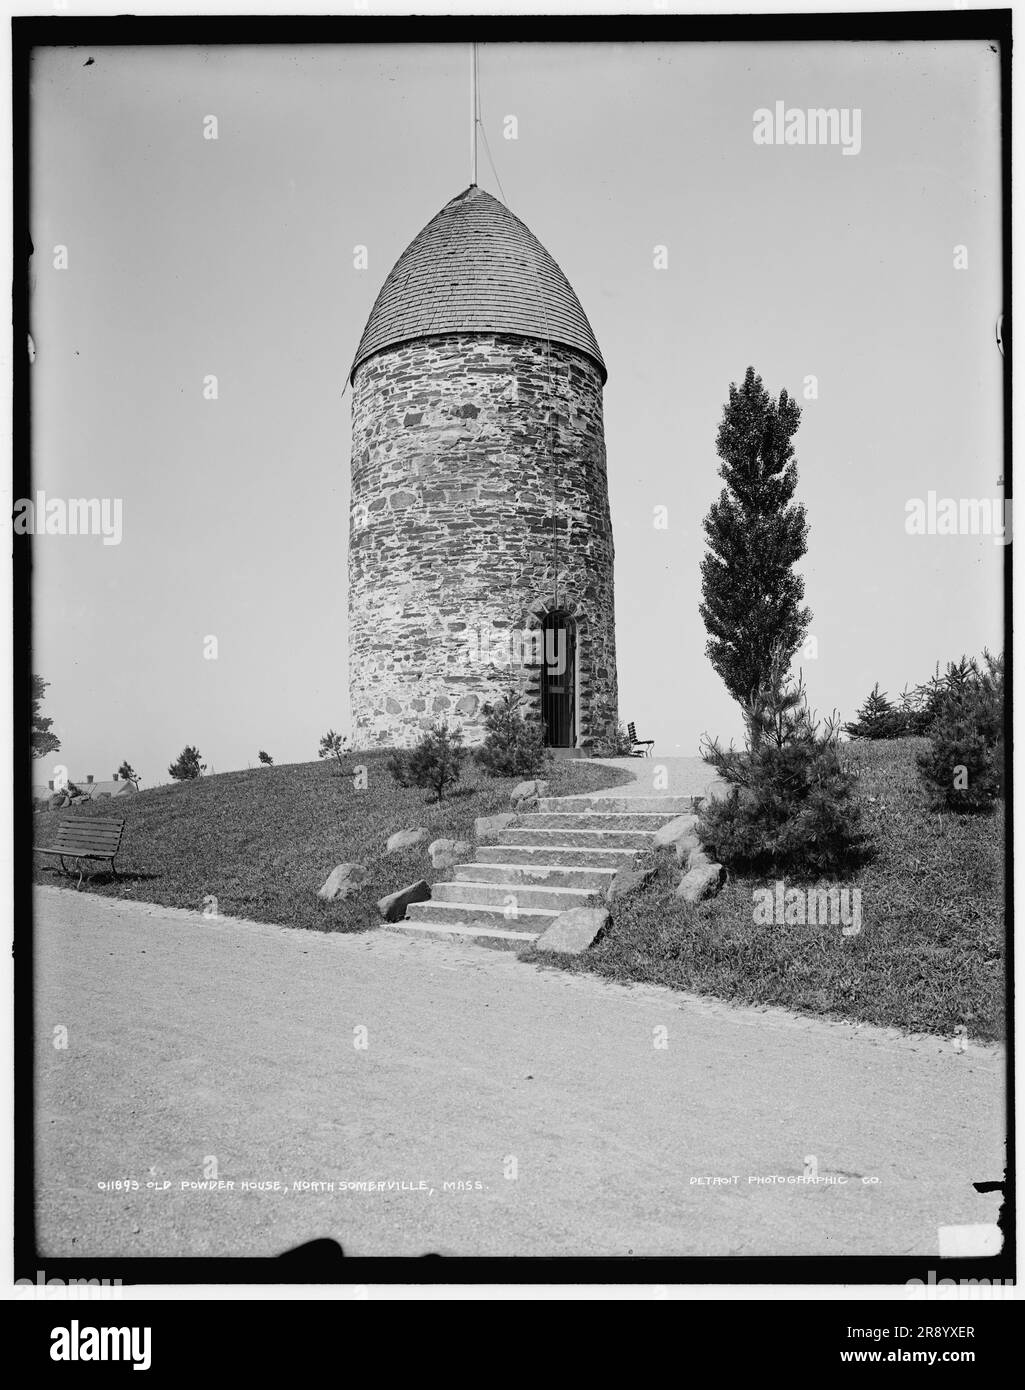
(187, 767)
(434, 763)
(265, 758)
(615, 744)
(918, 706)
(878, 718)
(963, 767)
(332, 745)
(512, 747)
(791, 806)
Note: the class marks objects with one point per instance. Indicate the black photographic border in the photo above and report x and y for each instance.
(31, 33)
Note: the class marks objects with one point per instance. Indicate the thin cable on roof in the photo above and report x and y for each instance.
(478, 108)
(548, 364)
(549, 431)
(487, 147)
(474, 115)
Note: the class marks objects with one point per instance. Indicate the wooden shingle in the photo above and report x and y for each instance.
(476, 268)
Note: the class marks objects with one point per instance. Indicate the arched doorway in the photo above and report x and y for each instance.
(558, 680)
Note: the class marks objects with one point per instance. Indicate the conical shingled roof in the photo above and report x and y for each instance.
(475, 268)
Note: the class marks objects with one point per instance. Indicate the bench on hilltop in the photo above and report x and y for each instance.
(86, 837)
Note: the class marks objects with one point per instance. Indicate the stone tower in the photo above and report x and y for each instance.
(480, 544)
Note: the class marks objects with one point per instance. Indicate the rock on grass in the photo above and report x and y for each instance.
(405, 839)
(446, 853)
(573, 931)
(343, 880)
(393, 907)
(700, 883)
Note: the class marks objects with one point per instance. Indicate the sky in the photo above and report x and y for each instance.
(189, 257)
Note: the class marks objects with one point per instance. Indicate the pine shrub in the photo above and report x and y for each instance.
(187, 766)
(878, 718)
(963, 767)
(435, 762)
(791, 806)
(512, 747)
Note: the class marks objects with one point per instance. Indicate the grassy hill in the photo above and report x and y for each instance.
(930, 955)
(263, 841)
(931, 952)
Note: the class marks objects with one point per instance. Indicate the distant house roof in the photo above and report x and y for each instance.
(476, 268)
(95, 789)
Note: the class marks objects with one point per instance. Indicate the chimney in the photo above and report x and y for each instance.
(50, 784)
(88, 777)
(113, 777)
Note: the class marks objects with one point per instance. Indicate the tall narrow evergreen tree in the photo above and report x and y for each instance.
(756, 533)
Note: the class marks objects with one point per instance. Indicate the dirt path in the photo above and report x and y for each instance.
(657, 776)
(190, 1040)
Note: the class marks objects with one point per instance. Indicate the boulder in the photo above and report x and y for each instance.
(528, 791)
(717, 790)
(681, 835)
(573, 931)
(486, 827)
(342, 880)
(697, 858)
(702, 882)
(675, 830)
(627, 881)
(685, 846)
(405, 839)
(393, 907)
(445, 853)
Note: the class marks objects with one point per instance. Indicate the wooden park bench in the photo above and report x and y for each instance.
(86, 837)
(645, 744)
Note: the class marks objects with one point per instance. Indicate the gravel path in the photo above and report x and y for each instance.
(660, 776)
(544, 1099)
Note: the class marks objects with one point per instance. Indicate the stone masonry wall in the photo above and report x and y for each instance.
(450, 542)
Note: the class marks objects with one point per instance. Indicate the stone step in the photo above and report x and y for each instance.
(592, 839)
(532, 920)
(668, 806)
(593, 820)
(502, 894)
(539, 875)
(566, 856)
(466, 932)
